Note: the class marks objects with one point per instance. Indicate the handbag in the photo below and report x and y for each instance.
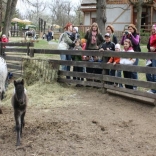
(62, 45)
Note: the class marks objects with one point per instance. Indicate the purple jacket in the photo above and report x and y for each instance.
(135, 39)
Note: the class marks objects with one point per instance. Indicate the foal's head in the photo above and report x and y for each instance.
(19, 91)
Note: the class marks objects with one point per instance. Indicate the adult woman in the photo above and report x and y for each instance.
(134, 37)
(110, 30)
(151, 46)
(68, 38)
(94, 40)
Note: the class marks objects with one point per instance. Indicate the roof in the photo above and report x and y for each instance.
(30, 26)
(88, 5)
(88, 2)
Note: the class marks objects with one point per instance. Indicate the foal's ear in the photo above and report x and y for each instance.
(22, 82)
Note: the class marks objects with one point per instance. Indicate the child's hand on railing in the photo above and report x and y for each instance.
(114, 63)
(101, 49)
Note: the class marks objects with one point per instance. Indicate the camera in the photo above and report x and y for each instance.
(126, 32)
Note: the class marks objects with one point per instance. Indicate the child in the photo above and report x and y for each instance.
(77, 58)
(83, 45)
(114, 60)
(127, 61)
(76, 34)
(4, 39)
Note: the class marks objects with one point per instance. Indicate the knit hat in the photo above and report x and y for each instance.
(76, 28)
(133, 26)
(3, 35)
(111, 27)
(67, 25)
(117, 46)
(154, 26)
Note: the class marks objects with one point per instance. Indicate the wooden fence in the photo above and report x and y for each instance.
(13, 54)
(16, 52)
(103, 78)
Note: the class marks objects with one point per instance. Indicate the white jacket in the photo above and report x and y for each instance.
(129, 61)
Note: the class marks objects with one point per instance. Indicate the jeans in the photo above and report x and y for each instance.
(135, 74)
(68, 57)
(152, 77)
(119, 75)
(63, 67)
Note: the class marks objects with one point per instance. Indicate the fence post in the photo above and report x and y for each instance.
(28, 49)
(1, 48)
(104, 90)
(31, 54)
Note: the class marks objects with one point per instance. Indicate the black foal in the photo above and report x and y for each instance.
(19, 103)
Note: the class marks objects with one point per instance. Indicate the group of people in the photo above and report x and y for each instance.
(49, 36)
(109, 42)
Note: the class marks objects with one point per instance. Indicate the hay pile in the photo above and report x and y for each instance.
(38, 70)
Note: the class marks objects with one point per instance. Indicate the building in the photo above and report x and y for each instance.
(120, 13)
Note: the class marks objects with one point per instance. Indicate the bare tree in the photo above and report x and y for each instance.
(101, 14)
(36, 9)
(139, 4)
(63, 16)
(10, 10)
(0, 13)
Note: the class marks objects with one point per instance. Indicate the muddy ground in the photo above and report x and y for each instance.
(65, 120)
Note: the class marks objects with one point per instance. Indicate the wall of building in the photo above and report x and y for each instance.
(154, 16)
(113, 16)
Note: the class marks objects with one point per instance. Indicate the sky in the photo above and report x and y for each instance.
(22, 7)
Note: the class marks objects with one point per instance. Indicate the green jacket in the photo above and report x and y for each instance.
(67, 39)
(76, 57)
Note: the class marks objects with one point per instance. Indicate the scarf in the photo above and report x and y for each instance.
(93, 37)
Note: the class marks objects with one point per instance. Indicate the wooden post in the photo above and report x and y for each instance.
(104, 91)
(1, 48)
(151, 16)
(28, 49)
(44, 26)
(31, 54)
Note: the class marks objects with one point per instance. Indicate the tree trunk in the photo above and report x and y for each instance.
(1, 9)
(139, 15)
(101, 15)
(10, 10)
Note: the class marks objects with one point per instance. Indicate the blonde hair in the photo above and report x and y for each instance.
(95, 25)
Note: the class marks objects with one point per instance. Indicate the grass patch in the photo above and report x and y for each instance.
(43, 44)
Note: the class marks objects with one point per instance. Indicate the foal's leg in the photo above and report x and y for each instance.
(18, 126)
(0, 103)
(1, 111)
(22, 122)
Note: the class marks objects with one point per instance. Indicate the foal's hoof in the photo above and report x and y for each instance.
(18, 144)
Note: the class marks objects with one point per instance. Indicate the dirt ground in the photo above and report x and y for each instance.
(65, 120)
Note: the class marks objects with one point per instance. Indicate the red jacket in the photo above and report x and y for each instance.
(152, 42)
(4, 39)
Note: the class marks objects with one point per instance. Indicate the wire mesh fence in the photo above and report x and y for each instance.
(38, 70)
